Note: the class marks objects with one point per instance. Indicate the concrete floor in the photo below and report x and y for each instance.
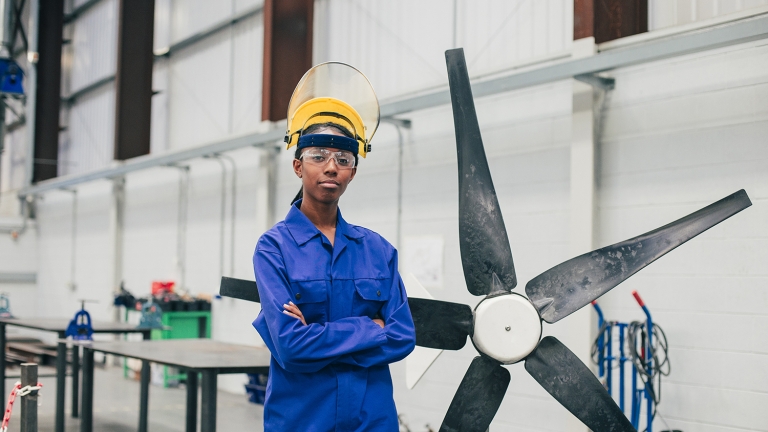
(116, 407)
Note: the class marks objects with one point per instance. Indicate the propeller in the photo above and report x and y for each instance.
(239, 289)
(485, 253)
(572, 384)
(567, 287)
(506, 326)
(478, 397)
(440, 324)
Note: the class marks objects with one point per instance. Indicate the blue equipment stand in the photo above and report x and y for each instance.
(648, 360)
(605, 359)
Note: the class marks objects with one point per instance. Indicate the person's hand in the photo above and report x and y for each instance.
(294, 311)
(379, 322)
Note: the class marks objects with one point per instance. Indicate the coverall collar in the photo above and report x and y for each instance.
(303, 230)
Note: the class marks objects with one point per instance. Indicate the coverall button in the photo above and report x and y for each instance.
(378, 293)
(298, 296)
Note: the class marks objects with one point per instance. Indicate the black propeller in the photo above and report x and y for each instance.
(485, 250)
(572, 384)
(478, 398)
(440, 324)
(239, 289)
(567, 287)
(556, 293)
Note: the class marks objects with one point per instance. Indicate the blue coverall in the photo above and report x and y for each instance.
(333, 373)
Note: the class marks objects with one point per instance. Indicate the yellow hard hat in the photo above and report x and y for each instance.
(334, 92)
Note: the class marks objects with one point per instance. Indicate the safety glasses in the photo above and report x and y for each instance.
(321, 156)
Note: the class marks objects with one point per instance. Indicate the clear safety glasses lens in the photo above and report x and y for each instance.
(320, 157)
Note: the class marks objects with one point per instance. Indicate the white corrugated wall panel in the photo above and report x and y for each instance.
(396, 48)
(163, 23)
(13, 160)
(88, 142)
(192, 16)
(158, 140)
(669, 13)
(247, 73)
(94, 45)
(93, 257)
(681, 134)
(398, 44)
(203, 104)
(244, 5)
(512, 32)
(199, 93)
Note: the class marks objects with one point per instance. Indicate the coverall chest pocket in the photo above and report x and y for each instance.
(311, 298)
(370, 296)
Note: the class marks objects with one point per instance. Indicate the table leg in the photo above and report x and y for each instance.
(208, 415)
(144, 397)
(191, 401)
(86, 417)
(75, 380)
(61, 382)
(2, 363)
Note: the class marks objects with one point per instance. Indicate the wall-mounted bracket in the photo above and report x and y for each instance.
(597, 81)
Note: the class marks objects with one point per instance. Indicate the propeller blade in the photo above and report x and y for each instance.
(439, 324)
(569, 381)
(485, 250)
(478, 398)
(239, 289)
(567, 287)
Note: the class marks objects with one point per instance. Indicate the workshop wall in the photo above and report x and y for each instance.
(670, 13)
(87, 139)
(496, 35)
(679, 135)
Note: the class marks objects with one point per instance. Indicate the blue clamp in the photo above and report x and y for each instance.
(11, 77)
(80, 327)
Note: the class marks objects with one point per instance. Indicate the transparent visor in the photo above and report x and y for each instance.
(342, 82)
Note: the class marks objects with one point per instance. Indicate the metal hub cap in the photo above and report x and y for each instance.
(507, 328)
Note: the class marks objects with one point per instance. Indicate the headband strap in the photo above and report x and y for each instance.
(332, 141)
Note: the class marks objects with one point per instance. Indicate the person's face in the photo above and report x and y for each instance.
(324, 184)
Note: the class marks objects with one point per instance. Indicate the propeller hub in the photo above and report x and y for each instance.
(507, 327)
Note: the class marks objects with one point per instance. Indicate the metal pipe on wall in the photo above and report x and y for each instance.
(224, 170)
(73, 245)
(233, 213)
(2, 134)
(181, 225)
(399, 125)
(31, 87)
(116, 231)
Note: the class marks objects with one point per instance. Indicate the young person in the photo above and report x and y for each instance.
(334, 309)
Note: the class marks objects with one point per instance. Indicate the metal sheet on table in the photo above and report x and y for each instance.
(60, 325)
(188, 353)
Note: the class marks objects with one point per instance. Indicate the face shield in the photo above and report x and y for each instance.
(336, 93)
